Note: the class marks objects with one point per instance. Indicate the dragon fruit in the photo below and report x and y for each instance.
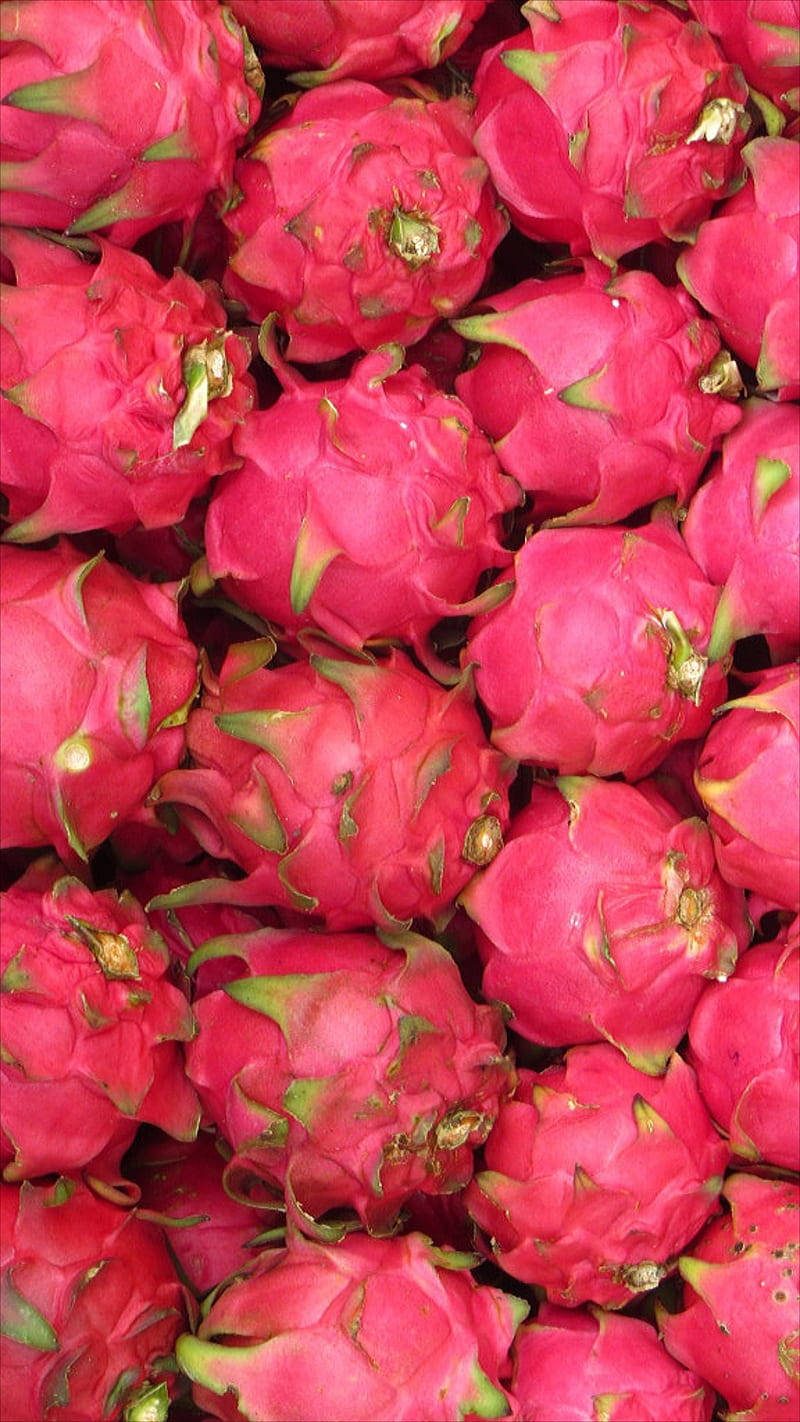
(122, 410)
(743, 1045)
(91, 1307)
(602, 918)
(92, 1028)
(347, 1073)
(743, 526)
(310, 1333)
(597, 663)
(738, 1328)
(97, 679)
(366, 507)
(624, 412)
(365, 217)
(609, 126)
(575, 1363)
(750, 287)
(747, 755)
(363, 793)
(121, 114)
(596, 1176)
(763, 38)
(335, 39)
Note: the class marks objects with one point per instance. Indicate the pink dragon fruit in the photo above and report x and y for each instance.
(347, 1073)
(603, 917)
(596, 1176)
(335, 39)
(750, 286)
(365, 217)
(97, 679)
(310, 1334)
(623, 413)
(366, 507)
(122, 410)
(121, 114)
(738, 1328)
(743, 529)
(574, 1363)
(91, 1027)
(749, 755)
(609, 126)
(364, 793)
(763, 38)
(91, 1307)
(183, 1183)
(743, 1044)
(597, 663)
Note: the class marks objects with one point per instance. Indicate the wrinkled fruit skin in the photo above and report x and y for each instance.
(346, 1073)
(610, 126)
(76, 157)
(335, 39)
(91, 1305)
(743, 1040)
(313, 1332)
(91, 1027)
(367, 507)
(738, 1327)
(294, 770)
(588, 667)
(763, 38)
(369, 236)
(749, 754)
(596, 1175)
(122, 411)
(743, 528)
(751, 288)
(97, 677)
(573, 1363)
(568, 419)
(602, 918)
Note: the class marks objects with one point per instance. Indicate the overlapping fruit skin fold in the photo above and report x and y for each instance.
(98, 674)
(186, 89)
(365, 217)
(92, 1306)
(302, 1336)
(365, 794)
(122, 411)
(635, 117)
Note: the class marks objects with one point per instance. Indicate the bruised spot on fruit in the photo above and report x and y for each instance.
(641, 1277)
(457, 1126)
(413, 237)
(483, 841)
(692, 906)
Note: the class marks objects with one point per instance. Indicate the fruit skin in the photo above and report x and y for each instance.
(596, 1176)
(91, 1305)
(742, 528)
(743, 1040)
(597, 663)
(294, 771)
(366, 507)
(75, 157)
(97, 678)
(607, 127)
(309, 1334)
(334, 39)
(738, 1327)
(366, 217)
(763, 38)
(122, 411)
(347, 1073)
(602, 918)
(572, 1363)
(92, 1028)
(751, 288)
(749, 752)
(622, 414)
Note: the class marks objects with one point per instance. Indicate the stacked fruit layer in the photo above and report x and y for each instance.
(400, 622)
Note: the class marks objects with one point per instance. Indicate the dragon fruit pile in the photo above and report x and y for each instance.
(400, 644)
